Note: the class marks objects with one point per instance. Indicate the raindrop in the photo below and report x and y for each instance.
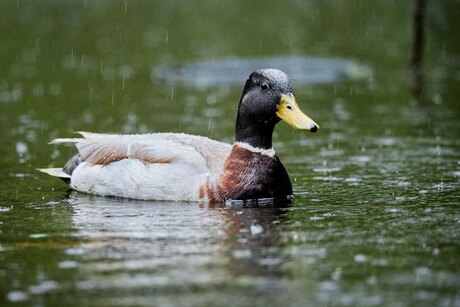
(15, 94)
(380, 262)
(67, 264)
(151, 39)
(440, 186)
(21, 148)
(72, 59)
(55, 89)
(44, 287)
(326, 169)
(270, 261)
(352, 180)
(17, 296)
(361, 159)
(38, 90)
(340, 111)
(422, 271)
(125, 7)
(240, 254)
(88, 117)
(360, 258)
(125, 71)
(337, 274)
(212, 112)
(328, 286)
(256, 229)
(131, 122)
(75, 251)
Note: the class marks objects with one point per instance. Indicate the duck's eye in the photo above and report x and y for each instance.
(264, 86)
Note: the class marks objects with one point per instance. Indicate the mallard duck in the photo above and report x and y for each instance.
(176, 166)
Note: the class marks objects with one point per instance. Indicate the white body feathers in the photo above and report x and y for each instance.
(166, 166)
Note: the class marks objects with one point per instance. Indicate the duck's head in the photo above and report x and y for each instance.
(268, 98)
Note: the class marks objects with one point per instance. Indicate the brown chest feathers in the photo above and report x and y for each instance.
(249, 175)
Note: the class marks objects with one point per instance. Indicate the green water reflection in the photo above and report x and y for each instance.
(375, 220)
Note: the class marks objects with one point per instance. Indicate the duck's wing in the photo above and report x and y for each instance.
(171, 148)
(150, 166)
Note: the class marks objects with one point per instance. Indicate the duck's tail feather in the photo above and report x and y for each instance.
(66, 140)
(85, 135)
(56, 172)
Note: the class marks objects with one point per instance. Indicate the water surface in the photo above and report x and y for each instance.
(375, 220)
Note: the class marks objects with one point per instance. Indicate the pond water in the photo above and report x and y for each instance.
(375, 220)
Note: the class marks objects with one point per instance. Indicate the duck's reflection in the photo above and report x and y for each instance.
(179, 243)
(253, 234)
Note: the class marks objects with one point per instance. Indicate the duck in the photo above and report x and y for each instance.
(184, 167)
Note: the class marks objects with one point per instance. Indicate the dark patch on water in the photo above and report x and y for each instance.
(301, 70)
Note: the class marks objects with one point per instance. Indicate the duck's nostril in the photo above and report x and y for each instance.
(313, 128)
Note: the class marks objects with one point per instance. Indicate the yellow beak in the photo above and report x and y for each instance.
(289, 111)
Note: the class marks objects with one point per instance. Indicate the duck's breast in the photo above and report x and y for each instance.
(251, 175)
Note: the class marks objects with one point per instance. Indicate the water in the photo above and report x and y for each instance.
(303, 70)
(375, 219)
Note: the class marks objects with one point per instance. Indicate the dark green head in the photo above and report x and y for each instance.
(268, 98)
